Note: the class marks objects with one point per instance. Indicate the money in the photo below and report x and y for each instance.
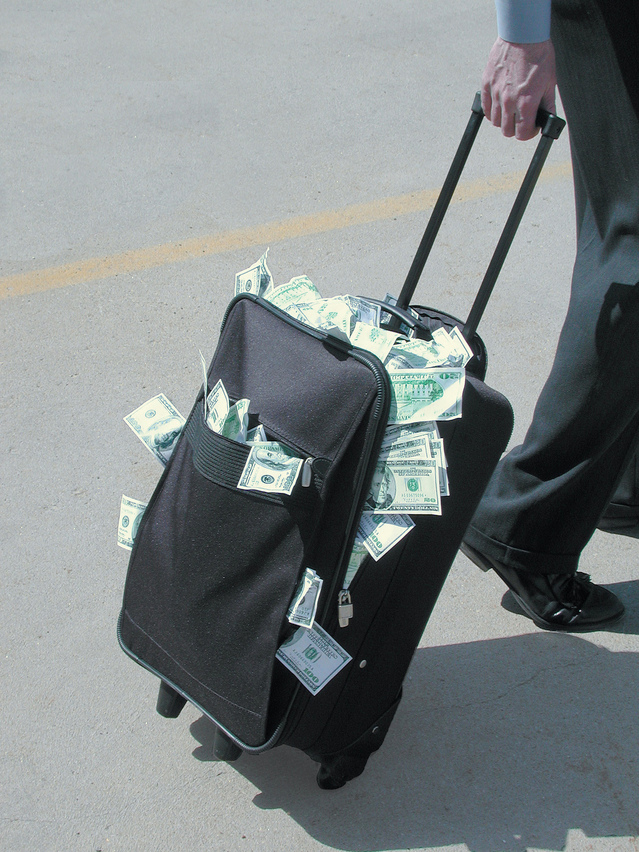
(410, 488)
(158, 424)
(410, 430)
(331, 315)
(433, 394)
(437, 449)
(296, 313)
(372, 339)
(235, 425)
(131, 512)
(417, 354)
(270, 468)
(205, 382)
(363, 310)
(461, 346)
(257, 279)
(380, 533)
(217, 407)
(303, 607)
(411, 447)
(358, 554)
(257, 435)
(298, 290)
(313, 657)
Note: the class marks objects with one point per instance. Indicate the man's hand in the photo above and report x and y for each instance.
(518, 79)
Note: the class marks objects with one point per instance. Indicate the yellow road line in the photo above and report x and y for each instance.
(136, 260)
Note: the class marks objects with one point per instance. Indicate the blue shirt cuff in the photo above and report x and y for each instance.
(523, 21)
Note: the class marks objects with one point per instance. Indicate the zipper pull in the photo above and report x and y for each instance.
(307, 472)
(344, 608)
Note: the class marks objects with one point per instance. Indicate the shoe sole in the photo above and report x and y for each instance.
(481, 562)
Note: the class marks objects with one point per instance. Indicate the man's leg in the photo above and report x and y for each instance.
(546, 496)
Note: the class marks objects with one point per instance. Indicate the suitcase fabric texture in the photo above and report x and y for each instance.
(214, 568)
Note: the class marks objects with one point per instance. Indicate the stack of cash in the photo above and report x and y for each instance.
(271, 467)
(427, 383)
(158, 424)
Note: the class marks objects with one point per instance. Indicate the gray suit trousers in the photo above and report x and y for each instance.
(547, 496)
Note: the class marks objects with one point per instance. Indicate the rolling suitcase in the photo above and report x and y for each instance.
(214, 567)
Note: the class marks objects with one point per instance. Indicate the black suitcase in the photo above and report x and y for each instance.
(214, 568)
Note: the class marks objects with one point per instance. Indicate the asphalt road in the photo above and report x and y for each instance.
(148, 152)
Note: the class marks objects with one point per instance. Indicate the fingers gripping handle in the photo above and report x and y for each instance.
(551, 127)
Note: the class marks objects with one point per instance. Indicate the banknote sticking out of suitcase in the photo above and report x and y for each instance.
(311, 505)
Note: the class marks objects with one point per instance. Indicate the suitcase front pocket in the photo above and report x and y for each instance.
(221, 566)
(222, 460)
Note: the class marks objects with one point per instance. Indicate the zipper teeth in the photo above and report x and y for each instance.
(381, 405)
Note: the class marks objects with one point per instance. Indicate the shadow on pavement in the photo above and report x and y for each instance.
(500, 744)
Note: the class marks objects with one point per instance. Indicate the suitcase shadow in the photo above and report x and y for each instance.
(499, 744)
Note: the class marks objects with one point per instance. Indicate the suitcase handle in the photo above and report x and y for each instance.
(551, 128)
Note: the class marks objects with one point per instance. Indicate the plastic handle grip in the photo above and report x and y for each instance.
(551, 128)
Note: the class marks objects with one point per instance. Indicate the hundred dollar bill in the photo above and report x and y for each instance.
(363, 310)
(373, 339)
(358, 554)
(158, 425)
(411, 447)
(217, 407)
(410, 488)
(418, 354)
(257, 435)
(257, 279)
(458, 351)
(270, 468)
(313, 656)
(437, 449)
(380, 533)
(304, 604)
(131, 512)
(461, 346)
(296, 313)
(295, 292)
(235, 424)
(433, 394)
(331, 315)
(398, 431)
(205, 382)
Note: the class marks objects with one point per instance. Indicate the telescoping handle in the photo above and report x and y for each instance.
(551, 127)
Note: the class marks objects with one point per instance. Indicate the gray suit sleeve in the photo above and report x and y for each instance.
(523, 21)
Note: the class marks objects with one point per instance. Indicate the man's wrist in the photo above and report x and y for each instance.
(523, 21)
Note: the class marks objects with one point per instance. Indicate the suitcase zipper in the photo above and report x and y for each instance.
(373, 441)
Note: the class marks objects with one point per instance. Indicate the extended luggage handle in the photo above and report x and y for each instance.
(551, 128)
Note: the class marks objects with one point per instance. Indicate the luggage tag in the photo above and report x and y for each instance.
(304, 605)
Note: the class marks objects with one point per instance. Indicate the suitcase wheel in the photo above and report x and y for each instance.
(170, 702)
(338, 775)
(224, 748)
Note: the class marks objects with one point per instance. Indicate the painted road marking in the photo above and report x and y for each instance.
(135, 260)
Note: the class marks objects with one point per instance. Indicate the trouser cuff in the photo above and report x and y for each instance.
(524, 560)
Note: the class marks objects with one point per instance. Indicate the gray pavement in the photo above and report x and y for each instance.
(129, 129)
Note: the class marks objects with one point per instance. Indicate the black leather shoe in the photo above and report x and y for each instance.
(569, 602)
